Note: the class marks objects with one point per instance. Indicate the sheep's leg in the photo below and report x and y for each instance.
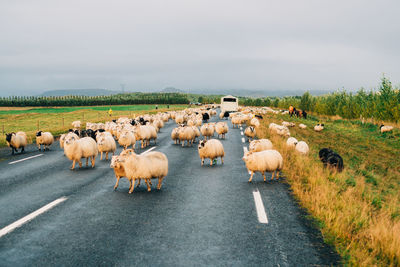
(155, 141)
(80, 163)
(101, 155)
(265, 178)
(273, 174)
(39, 148)
(87, 161)
(73, 164)
(148, 185)
(183, 143)
(202, 161)
(160, 179)
(132, 187)
(116, 183)
(277, 175)
(107, 155)
(93, 161)
(211, 161)
(222, 160)
(251, 176)
(138, 182)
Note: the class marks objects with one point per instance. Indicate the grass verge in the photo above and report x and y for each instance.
(357, 210)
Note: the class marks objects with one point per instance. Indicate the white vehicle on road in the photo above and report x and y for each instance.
(229, 103)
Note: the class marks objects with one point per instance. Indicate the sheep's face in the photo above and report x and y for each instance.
(39, 133)
(9, 137)
(246, 156)
(115, 163)
(127, 152)
(70, 140)
(202, 144)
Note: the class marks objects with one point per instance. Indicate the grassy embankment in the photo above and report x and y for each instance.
(58, 120)
(358, 210)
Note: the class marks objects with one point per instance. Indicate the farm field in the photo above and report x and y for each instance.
(357, 210)
(59, 119)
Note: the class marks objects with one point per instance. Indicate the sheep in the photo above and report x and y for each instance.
(187, 133)
(143, 134)
(179, 119)
(175, 135)
(288, 124)
(331, 158)
(221, 128)
(260, 145)
(384, 128)
(75, 149)
(302, 126)
(62, 139)
(146, 166)
(279, 129)
(17, 140)
(236, 121)
(302, 148)
(119, 170)
(211, 149)
(206, 116)
(254, 122)
(106, 143)
(76, 125)
(45, 139)
(196, 133)
(126, 139)
(250, 132)
(291, 142)
(207, 130)
(319, 127)
(263, 161)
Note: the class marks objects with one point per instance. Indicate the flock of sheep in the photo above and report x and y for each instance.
(192, 124)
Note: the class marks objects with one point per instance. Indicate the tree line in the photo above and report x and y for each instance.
(381, 104)
(73, 100)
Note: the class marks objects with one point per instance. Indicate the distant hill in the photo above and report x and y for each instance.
(172, 90)
(81, 92)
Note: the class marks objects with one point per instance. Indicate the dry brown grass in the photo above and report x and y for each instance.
(357, 210)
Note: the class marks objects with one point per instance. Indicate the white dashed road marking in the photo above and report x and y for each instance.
(261, 214)
(13, 162)
(31, 216)
(243, 140)
(241, 132)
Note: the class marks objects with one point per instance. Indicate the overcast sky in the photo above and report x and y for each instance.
(205, 44)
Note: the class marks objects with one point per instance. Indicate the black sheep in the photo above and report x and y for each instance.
(91, 133)
(206, 117)
(259, 116)
(331, 158)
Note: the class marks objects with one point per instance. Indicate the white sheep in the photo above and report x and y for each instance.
(319, 127)
(75, 149)
(17, 140)
(386, 128)
(126, 139)
(187, 134)
(44, 138)
(207, 130)
(264, 161)
(302, 148)
(302, 126)
(254, 122)
(106, 143)
(291, 142)
(76, 125)
(196, 133)
(62, 139)
(175, 135)
(147, 166)
(211, 149)
(250, 132)
(221, 128)
(260, 145)
(288, 124)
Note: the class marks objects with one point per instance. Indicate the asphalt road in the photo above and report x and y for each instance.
(201, 216)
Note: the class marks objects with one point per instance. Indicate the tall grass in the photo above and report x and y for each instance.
(357, 210)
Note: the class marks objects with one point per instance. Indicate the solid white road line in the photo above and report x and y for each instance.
(13, 162)
(262, 216)
(243, 140)
(241, 132)
(148, 150)
(30, 216)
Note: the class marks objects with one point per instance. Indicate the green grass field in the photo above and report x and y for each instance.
(358, 210)
(58, 120)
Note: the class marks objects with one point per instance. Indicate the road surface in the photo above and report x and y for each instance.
(210, 215)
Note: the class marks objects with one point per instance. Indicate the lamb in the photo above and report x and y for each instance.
(302, 126)
(207, 130)
(187, 133)
(211, 149)
(175, 135)
(75, 149)
(17, 140)
(385, 129)
(44, 138)
(260, 145)
(319, 127)
(146, 166)
(263, 161)
(302, 148)
(76, 125)
(126, 139)
(221, 128)
(291, 142)
(250, 132)
(106, 143)
(331, 158)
